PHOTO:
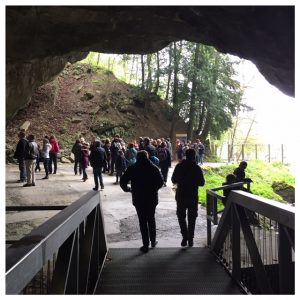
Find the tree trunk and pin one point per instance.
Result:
(98, 59)
(205, 131)
(149, 77)
(143, 71)
(192, 112)
(157, 73)
(170, 70)
(175, 91)
(246, 138)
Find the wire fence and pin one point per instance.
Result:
(264, 152)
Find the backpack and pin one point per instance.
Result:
(162, 154)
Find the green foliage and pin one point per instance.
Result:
(263, 175)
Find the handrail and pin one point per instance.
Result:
(26, 257)
(261, 221)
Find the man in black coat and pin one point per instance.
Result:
(20, 155)
(97, 160)
(188, 176)
(146, 179)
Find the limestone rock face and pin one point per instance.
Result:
(41, 39)
(23, 78)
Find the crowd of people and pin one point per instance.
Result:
(29, 155)
(140, 167)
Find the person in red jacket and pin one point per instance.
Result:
(53, 154)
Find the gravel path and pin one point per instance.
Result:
(121, 222)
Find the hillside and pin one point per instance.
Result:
(82, 101)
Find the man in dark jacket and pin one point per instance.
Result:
(188, 176)
(146, 179)
(164, 157)
(31, 153)
(76, 150)
(97, 160)
(20, 154)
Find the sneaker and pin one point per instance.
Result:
(153, 244)
(144, 249)
(183, 242)
(33, 184)
(102, 187)
(46, 177)
(95, 189)
(21, 181)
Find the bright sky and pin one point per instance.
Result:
(276, 113)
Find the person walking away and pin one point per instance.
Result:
(97, 160)
(164, 157)
(45, 153)
(76, 150)
(201, 152)
(20, 155)
(38, 160)
(154, 160)
(149, 147)
(146, 179)
(188, 176)
(31, 153)
(179, 152)
(169, 146)
(114, 148)
(130, 154)
(85, 158)
(121, 165)
(106, 147)
(53, 154)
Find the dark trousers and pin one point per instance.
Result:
(22, 168)
(146, 217)
(113, 163)
(190, 208)
(119, 173)
(77, 165)
(37, 164)
(98, 177)
(46, 165)
(84, 175)
(164, 172)
(53, 159)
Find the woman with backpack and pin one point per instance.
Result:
(130, 154)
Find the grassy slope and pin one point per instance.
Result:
(263, 175)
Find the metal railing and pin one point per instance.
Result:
(254, 240)
(64, 255)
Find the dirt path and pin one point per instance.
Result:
(121, 222)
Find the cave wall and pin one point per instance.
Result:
(41, 39)
(22, 79)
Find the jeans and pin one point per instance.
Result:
(53, 159)
(46, 165)
(22, 168)
(98, 177)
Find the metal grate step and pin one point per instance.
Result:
(164, 271)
